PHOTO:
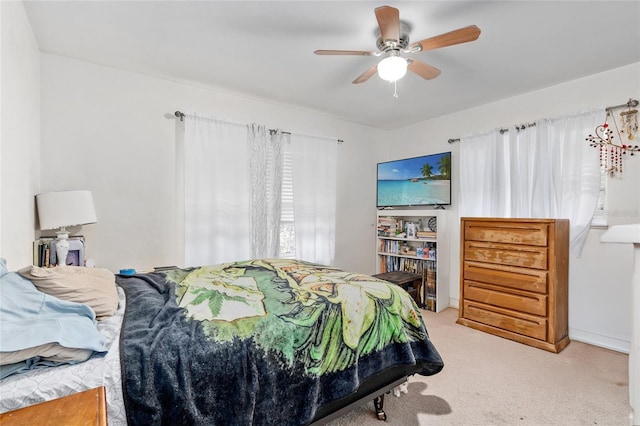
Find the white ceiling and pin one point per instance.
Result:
(264, 49)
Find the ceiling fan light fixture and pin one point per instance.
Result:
(392, 68)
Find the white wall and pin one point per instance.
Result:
(117, 135)
(20, 135)
(599, 282)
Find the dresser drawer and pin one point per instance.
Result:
(516, 322)
(506, 276)
(521, 301)
(506, 254)
(528, 233)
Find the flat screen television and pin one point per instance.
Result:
(416, 181)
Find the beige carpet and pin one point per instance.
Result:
(488, 380)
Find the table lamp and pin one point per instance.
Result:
(61, 209)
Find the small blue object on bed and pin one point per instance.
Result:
(37, 329)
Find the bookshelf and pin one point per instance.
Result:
(416, 241)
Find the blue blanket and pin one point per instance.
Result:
(29, 318)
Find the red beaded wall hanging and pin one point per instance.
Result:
(611, 153)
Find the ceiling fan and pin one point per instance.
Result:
(393, 44)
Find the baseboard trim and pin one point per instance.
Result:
(594, 339)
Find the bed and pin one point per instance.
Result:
(262, 342)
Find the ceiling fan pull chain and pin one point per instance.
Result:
(395, 88)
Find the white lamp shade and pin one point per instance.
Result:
(392, 68)
(65, 208)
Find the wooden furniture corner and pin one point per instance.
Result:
(82, 408)
(411, 283)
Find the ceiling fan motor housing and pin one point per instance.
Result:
(403, 42)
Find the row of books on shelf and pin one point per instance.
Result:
(429, 278)
(44, 252)
(427, 251)
(429, 286)
(416, 266)
(420, 235)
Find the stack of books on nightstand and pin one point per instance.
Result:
(44, 252)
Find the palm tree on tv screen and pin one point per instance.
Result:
(427, 170)
(444, 166)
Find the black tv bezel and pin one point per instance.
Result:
(435, 205)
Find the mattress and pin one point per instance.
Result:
(46, 383)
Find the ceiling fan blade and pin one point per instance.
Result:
(462, 35)
(423, 70)
(389, 23)
(346, 52)
(366, 75)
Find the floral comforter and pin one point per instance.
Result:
(262, 342)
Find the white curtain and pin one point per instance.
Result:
(543, 171)
(483, 181)
(572, 178)
(217, 205)
(314, 197)
(521, 148)
(266, 163)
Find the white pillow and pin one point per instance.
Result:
(95, 287)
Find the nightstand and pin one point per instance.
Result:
(407, 280)
(86, 408)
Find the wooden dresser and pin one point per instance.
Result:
(514, 277)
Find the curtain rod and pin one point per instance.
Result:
(630, 103)
(502, 131)
(181, 116)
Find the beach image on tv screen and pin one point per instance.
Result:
(415, 181)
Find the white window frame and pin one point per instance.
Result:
(600, 215)
(287, 229)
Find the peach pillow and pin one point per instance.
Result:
(95, 287)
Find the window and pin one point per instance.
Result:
(239, 193)
(599, 216)
(287, 229)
